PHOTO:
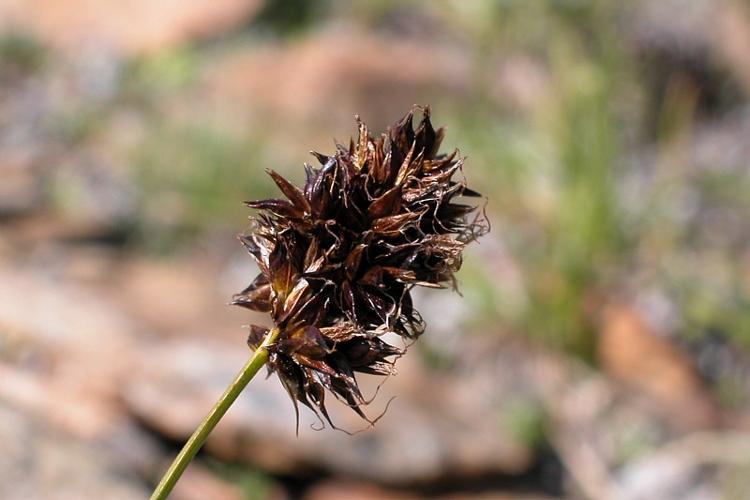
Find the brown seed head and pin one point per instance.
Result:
(339, 257)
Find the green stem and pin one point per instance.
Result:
(258, 359)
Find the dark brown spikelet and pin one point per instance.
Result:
(339, 257)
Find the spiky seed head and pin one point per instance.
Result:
(339, 257)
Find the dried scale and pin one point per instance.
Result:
(339, 257)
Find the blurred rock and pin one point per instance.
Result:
(49, 398)
(24, 146)
(614, 446)
(690, 467)
(132, 27)
(63, 343)
(333, 74)
(341, 490)
(20, 190)
(93, 199)
(702, 32)
(418, 440)
(78, 200)
(39, 462)
(701, 45)
(675, 26)
(668, 478)
(197, 483)
(196, 301)
(632, 352)
(719, 145)
(731, 40)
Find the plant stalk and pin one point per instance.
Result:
(180, 463)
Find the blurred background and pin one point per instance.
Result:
(601, 348)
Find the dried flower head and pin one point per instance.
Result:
(338, 258)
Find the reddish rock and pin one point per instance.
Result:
(136, 26)
(337, 73)
(632, 352)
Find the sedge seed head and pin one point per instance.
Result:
(339, 257)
